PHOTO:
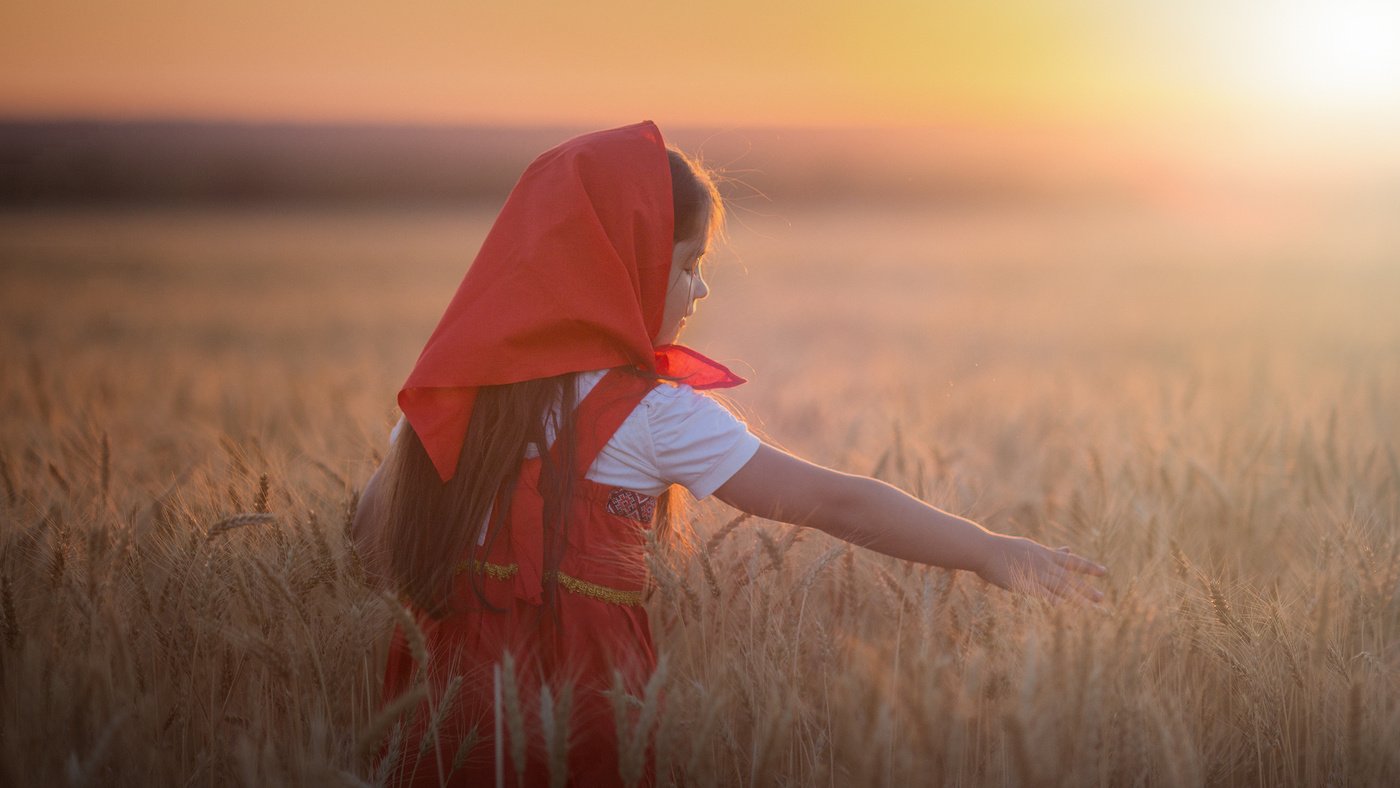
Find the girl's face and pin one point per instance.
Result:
(685, 286)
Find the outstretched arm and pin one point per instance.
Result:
(870, 513)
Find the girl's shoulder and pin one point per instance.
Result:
(676, 435)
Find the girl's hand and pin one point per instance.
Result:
(1026, 566)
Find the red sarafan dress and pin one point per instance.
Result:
(602, 627)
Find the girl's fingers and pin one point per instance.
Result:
(1072, 588)
(1088, 592)
(1049, 592)
(1073, 562)
(1049, 584)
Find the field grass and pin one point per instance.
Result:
(1210, 413)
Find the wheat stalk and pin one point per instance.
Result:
(775, 555)
(708, 570)
(417, 643)
(58, 562)
(464, 749)
(723, 533)
(7, 606)
(1225, 614)
(11, 494)
(105, 469)
(59, 477)
(444, 708)
(810, 576)
(373, 733)
(554, 722)
(633, 738)
(235, 521)
(514, 715)
(260, 499)
(392, 752)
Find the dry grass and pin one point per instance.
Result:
(190, 399)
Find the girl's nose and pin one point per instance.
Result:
(701, 288)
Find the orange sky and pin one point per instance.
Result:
(722, 62)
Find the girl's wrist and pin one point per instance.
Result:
(989, 544)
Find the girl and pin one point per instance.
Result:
(545, 425)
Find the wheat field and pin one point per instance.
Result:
(191, 399)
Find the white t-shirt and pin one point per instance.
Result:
(677, 435)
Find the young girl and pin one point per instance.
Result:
(545, 425)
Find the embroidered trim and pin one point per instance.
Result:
(497, 571)
(569, 582)
(596, 591)
(631, 504)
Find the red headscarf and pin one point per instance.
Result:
(571, 277)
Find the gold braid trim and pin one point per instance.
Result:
(569, 582)
(497, 571)
(596, 591)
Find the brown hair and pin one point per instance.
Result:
(695, 199)
(432, 526)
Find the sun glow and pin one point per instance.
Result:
(1330, 56)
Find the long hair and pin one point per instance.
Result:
(433, 527)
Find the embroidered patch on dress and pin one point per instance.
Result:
(632, 505)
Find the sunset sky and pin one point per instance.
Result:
(816, 62)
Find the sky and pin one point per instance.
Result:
(1145, 63)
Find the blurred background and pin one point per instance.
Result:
(1230, 102)
(956, 191)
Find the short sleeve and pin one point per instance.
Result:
(696, 442)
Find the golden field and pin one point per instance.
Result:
(1208, 406)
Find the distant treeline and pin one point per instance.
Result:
(173, 162)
